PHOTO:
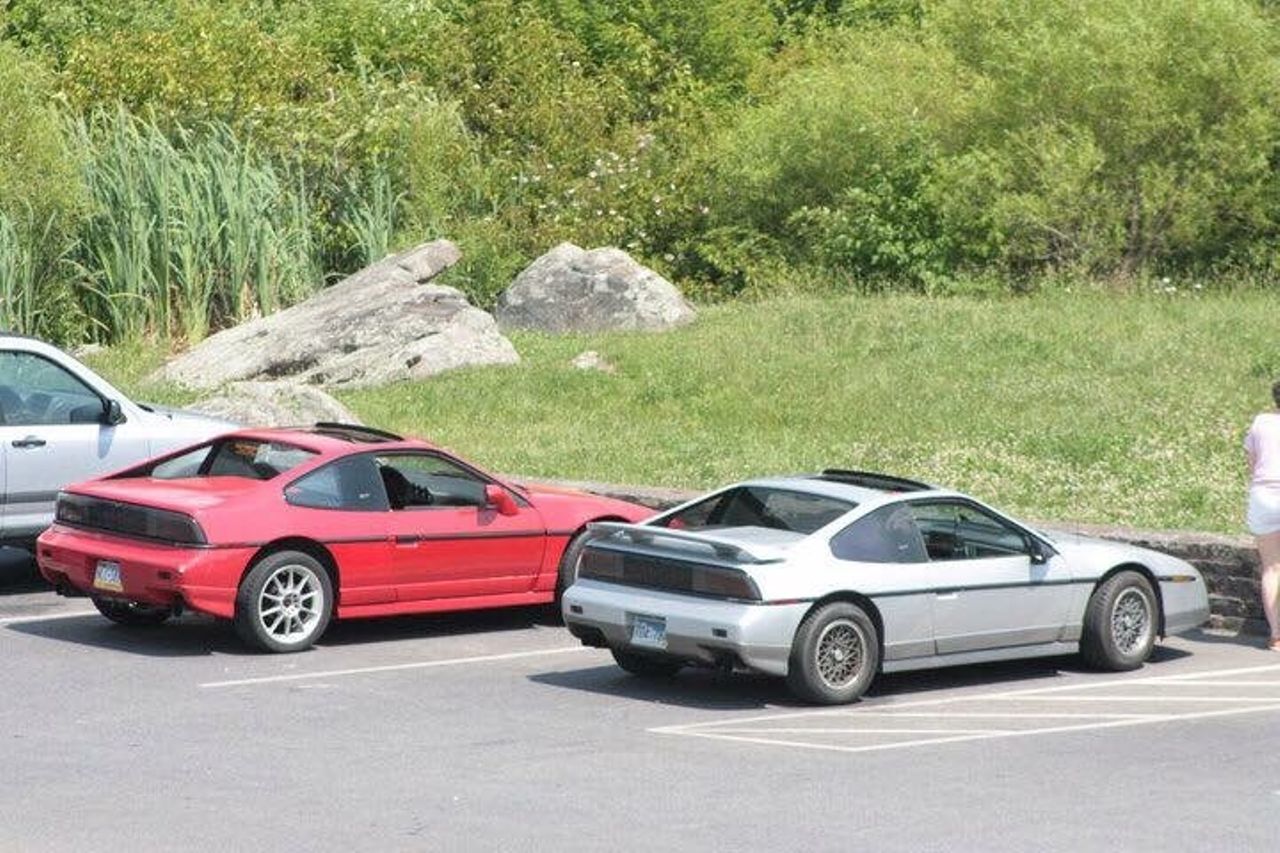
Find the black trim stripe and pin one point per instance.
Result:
(947, 590)
(28, 497)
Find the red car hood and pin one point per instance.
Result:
(188, 496)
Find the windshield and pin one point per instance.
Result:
(760, 506)
(250, 458)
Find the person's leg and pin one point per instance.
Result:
(1269, 554)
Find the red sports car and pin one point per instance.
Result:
(282, 529)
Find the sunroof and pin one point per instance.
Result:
(355, 432)
(872, 480)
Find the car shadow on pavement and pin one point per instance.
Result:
(689, 688)
(18, 573)
(194, 635)
(422, 626)
(189, 636)
(705, 688)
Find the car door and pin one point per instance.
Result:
(343, 505)
(887, 561)
(448, 541)
(989, 590)
(53, 433)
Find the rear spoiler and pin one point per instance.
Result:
(725, 549)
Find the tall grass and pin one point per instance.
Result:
(189, 233)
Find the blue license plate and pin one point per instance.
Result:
(649, 631)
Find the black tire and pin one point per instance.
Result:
(284, 602)
(568, 571)
(645, 665)
(1120, 623)
(834, 656)
(131, 613)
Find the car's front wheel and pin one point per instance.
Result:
(283, 603)
(131, 613)
(646, 666)
(1120, 623)
(835, 655)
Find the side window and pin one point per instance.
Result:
(887, 535)
(349, 483)
(418, 480)
(958, 531)
(36, 392)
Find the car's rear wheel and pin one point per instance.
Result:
(284, 602)
(834, 656)
(131, 613)
(1120, 623)
(645, 665)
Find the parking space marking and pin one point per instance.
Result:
(1172, 706)
(396, 667)
(690, 731)
(18, 620)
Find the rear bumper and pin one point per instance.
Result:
(698, 630)
(201, 579)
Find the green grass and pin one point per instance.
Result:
(1089, 408)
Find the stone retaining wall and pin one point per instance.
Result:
(1229, 563)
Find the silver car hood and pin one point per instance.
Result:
(1081, 550)
(187, 416)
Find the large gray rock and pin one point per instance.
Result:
(384, 323)
(267, 404)
(570, 289)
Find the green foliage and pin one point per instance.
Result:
(744, 147)
(1028, 136)
(187, 236)
(37, 169)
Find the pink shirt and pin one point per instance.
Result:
(1263, 443)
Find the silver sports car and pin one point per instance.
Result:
(832, 578)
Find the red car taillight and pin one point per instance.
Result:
(128, 519)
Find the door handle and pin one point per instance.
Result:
(947, 595)
(29, 441)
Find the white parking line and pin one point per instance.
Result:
(749, 730)
(18, 620)
(426, 664)
(689, 731)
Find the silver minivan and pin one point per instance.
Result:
(60, 423)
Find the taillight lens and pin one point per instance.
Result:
(724, 583)
(128, 519)
(600, 565)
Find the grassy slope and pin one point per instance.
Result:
(1091, 408)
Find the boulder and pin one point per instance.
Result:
(265, 404)
(570, 289)
(385, 322)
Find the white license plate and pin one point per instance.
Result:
(107, 576)
(649, 631)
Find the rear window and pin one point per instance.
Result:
(760, 506)
(251, 458)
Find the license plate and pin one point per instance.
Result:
(107, 576)
(649, 631)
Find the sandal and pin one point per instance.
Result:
(1273, 645)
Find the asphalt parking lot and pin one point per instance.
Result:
(494, 731)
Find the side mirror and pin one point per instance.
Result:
(112, 414)
(1039, 556)
(500, 499)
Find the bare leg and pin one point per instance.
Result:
(1269, 552)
